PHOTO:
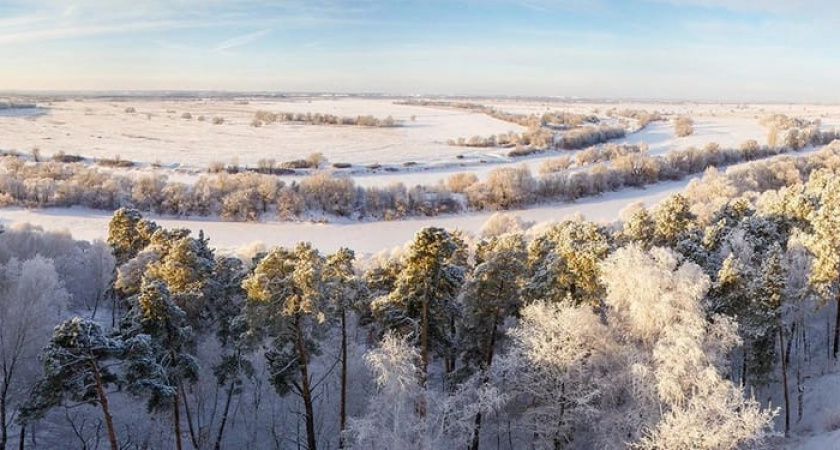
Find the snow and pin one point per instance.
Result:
(157, 132)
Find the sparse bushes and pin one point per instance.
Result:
(683, 126)
(218, 120)
(130, 110)
(65, 158)
(555, 165)
(116, 161)
(186, 116)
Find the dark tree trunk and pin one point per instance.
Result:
(176, 417)
(342, 406)
(784, 376)
(103, 402)
(306, 393)
(221, 432)
(193, 437)
(4, 432)
(837, 329)
(486, 378)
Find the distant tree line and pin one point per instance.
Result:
(535, 140)
(267, 117)
(551, 119)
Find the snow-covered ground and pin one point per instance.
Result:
(156, 132)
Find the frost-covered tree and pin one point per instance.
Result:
(76, 371)
(287, 304)
(672, 218)
(345, 291)
(129, 233)
(824, 243)
(32, 300)
(655, 305)
(492, 294)
(564, 263)
(556, 370)
(392, 420)
(159, 341)
(423, 301)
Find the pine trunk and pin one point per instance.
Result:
(306, 393)
(486, 378)
(4, 432)
(221, 432)
(837, 329)
(784, 377)
(176, 417)
(193, 437)
(342, 407)
(103, 402)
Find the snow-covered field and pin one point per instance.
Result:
(156, 132)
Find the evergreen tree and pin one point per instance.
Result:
(492, 294)
(129, 233)
(564, 263)
(286, 303)
(672, 218)
(345, 290)
(423, 302)
(773, 287)
(76, 370)
(159, 341)
(824, 243)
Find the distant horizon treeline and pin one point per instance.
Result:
(268, 117)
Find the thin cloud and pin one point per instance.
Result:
(239, 41)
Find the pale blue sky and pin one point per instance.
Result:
(679, 49)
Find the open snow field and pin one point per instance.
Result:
(157, 132)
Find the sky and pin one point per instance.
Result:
(733, 50)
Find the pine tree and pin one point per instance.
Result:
(129, 233)
(234, 368)
(671, 218)
(564, 263)
(76, 371)
(423, 302)
(159, 340)
(824, 243)
(492, 294)
(773, 286)
(345, 290)
(286, 303)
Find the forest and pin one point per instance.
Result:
(688, 325)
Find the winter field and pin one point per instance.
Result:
(166, 137)
(177, 140)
